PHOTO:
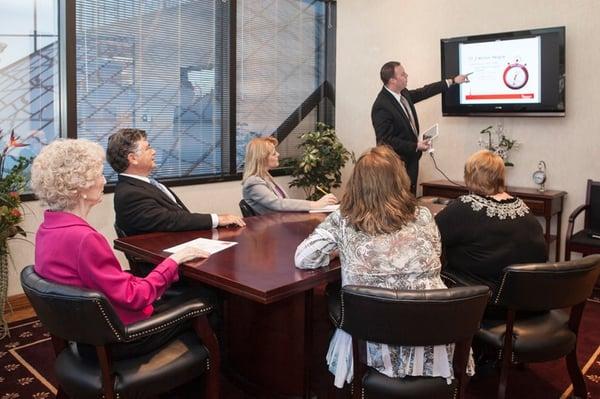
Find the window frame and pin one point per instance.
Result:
(67, 118)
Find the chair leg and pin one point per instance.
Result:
(460, 361)
(359, 369)
(503, 378)
(108, 382)
(209, 339)
(356, 391)
(506, 354)
(579, 387)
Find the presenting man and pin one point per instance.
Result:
(395, 119)
(144, 205)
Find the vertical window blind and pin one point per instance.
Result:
(157, 66)
(280, 63)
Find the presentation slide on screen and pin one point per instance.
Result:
(503, 72)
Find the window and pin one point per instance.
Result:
(202, 77)
(29, 73)
(157, 66)
(281, 70)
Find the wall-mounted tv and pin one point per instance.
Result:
(511, 74)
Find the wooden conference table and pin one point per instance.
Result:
(268, 314)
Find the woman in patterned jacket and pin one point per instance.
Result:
(384, 239)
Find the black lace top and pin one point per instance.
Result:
(481, 236)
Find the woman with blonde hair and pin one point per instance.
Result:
(259, 189)
(385, 239)
(488, 229)
(67, 177)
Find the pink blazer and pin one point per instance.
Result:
(69, 251)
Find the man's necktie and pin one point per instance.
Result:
(409, 114)
(162, 188)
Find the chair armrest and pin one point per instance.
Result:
(572, 218)
(577, 211)
(175, 315)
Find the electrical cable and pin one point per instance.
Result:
(443, 174)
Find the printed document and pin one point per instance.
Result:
(210, 246)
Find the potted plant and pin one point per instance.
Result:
(498, 143)
(319, 167)
(12, 182)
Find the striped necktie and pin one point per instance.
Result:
(409, 114)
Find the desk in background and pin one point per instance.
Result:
(545, 204)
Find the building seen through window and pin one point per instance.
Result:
(166, 67)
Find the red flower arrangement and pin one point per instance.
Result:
(12, 183)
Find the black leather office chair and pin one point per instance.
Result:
(246, 209)
(410, 318)
(582, 241)
(548, 335)
(137, 266)
(77, 315)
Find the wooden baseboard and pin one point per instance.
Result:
(16, 303)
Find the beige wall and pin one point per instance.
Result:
(371, 33)
(409, 31)
(216, 198)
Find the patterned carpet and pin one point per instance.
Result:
(26, 360)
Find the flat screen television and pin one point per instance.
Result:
(511, 74)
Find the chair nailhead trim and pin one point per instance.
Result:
(513, 356)
(114, 330)
(342, 310)
(175, 321)
(363, 393)
(500, 290)
(208, 363)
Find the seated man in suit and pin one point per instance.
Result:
(144, 205)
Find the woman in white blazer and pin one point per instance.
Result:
(259, 189)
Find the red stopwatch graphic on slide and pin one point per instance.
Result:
(515, 75)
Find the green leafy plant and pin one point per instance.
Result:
(320, 165)
(498, 143)
(12, 184)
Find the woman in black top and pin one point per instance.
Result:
(488, 229)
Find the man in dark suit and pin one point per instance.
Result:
(144, 205)
(395, 119)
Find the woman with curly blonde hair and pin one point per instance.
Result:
(384, 239)
(67, 177)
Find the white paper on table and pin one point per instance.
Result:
(326, 209)
(210, 246)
